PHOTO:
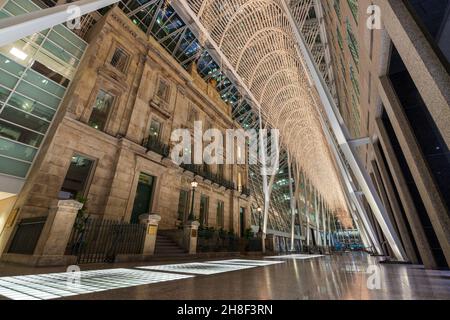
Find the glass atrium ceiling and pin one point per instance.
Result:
(280, 65)
(159, 19)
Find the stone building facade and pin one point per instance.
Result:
(126, 90)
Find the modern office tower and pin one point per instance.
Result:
(390, 61)
(342, 108)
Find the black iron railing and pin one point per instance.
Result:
(98, 240)
(156, 145)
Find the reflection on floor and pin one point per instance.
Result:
(65, 284)
(247, 262)
(296, 256)
(198, 268)
(340, 276)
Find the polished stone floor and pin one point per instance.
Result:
(348, 276)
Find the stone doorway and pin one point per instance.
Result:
(144, 196)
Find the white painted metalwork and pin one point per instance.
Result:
(15, 28)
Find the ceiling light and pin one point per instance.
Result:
(18, 53)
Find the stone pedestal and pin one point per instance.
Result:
(270, 243)
(52, 243)
(191, 236)
(151, 221)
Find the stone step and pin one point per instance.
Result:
(165, 246)
(172, 249)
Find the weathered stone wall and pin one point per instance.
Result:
(117, 151)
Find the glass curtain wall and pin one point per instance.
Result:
(34, 74)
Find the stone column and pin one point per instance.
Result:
(420, 171)
(191, 236)
(151, 221)
(388, 194)
(55, 235)
(406, 199)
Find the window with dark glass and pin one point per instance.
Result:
(352, 43)
(433, 17)
(204, 209)
(183, 205)
(220, 214)
(77, 178)
(163, 90)
(353, 4)
(337, 8)
(120, 60)
(101, 110)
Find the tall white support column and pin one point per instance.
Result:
(306, 193)
(324, 218)
(317, 211)
(292, 203)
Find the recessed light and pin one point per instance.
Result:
(18, 53)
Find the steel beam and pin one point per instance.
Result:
(342, 136)
(18, 27)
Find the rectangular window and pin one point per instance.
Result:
(183, 205)
(220, 214)
(352, 43)
(155, 130)
(353, 4)
(120, 60)
(354, 81)
(192, 116)
(220, 171)
(102, 108)
(204, 210)
(77, 178)
(337, 8)
(163, 90)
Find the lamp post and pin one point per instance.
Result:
(194, 184)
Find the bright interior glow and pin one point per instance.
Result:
(18, 53)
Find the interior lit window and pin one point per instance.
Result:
(77, 178)
(101, 110)
(155, 130)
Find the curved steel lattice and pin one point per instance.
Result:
(257, 39)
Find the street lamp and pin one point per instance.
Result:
(194, 184)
